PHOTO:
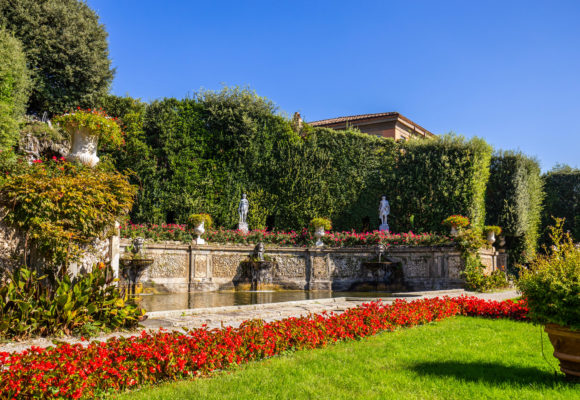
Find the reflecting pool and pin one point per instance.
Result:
(182, 301)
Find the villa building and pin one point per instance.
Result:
(388, 124)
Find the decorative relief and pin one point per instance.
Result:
(200, 266)
(416, 267)
(168, 265)
(319, 268)
(454, 267)
(290, 267)
(345, 267)
(227, 266)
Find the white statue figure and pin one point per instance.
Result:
(384, 211)
(243, 213)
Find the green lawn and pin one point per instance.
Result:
(459, 358)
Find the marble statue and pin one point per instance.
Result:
(243, 213)
(384, 211)
(259, 251)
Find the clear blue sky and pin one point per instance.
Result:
(507, 71)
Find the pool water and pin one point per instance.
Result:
(182, 301)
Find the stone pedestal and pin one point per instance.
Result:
(384, 228)
(243, 227)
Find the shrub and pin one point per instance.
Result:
(562, 187)
(325, 223)
(492, 228)
(97, 122)
(30, 306)
(514, 202)
(66, 50)
(197, 219)
(458, 221)
(14, 88)
(62, 207)
(552, 282)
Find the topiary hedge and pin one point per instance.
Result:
(201, 154)
(514, 201)
(562, 187)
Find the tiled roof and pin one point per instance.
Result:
(362, 117)
(350, 118)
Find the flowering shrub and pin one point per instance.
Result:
(74, 371)
(458, 221)
(97, 121)
(293, 238)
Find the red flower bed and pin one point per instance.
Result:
(74, 371)
(472, 306)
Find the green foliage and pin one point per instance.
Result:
(201, 154)
(29, 306)
(514, 202)
(562, 187)
(492, 228)
(14, 88)
(66, 49)
(197, 219)
(97, 122)
(552, 282)
(62, 206)
(458, 221)
(325, 223)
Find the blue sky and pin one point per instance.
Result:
(507, 71)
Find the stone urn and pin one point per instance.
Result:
(319, 234)
(199, 230)
(84, 146)
(490, 237)
(454, 231)
(566, 349)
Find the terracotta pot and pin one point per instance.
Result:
(566, 349)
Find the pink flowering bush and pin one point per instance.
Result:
(181, 232)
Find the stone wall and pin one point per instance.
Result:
(179, 267)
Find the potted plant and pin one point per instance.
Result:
(87, 128)
(198, 222)
(320, 226)
(492, 231)
(456, 222)
(551, 285)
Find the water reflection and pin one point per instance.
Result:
(180, 301)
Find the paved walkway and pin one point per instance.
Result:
(234, 315)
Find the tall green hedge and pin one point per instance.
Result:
(200, 155)
(562, 187)
(514, 202)
(14, 88)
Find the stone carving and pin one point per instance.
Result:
(84, 147)
(259, 251)
(243, 213)
(384, 211)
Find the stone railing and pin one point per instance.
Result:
(180, 267)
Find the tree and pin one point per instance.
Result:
(14, 88)
(66, 48)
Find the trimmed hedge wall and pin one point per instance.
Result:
(200, 154)
(514, 202)
(562, 187)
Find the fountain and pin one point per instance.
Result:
(257, 273)
(381, 275)
(132, 268)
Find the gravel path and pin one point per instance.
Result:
(234, 315)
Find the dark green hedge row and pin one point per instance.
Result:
(514, 202)
(201, 154)
(562, 187)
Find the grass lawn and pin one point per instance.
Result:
(458, 358)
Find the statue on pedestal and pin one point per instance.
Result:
(243, 213)
(384, 211)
